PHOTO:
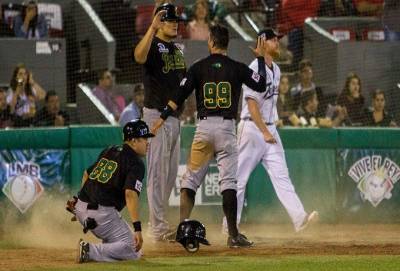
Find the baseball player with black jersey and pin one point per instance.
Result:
(164, 68)
(259, 140)
(113, 181)
(217, 80)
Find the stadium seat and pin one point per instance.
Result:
(54, 19)
(343, 34)
(373, 34)
(144, 15)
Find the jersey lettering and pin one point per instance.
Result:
(104, 170)
(173, 61)
(217, 95)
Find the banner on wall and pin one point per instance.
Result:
(26, 174)
(207, 194)
(368, 183)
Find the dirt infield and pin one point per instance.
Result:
(270, 240)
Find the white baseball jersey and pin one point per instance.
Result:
(266, 100)
(253, 149)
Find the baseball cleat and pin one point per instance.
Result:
(83, 252)
(239, 241)
(311, 218)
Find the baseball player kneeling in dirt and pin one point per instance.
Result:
(115, 180)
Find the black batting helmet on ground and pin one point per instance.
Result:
(190, 233)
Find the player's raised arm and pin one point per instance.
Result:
(143, 47)
(252, 79)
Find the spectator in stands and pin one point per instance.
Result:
(5, 29)
(103, 91)
(198, 28)
(352, 100)
(5, 110)
(391, 20)
(134, 110)
(378, 116)
(22, 96)
(368, 7)
(30, 24)
(306, 84)
(285, 104)
(291, 21)
(216, 11)
(50, 114)
(309, 116)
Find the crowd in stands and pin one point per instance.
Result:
(301, 103)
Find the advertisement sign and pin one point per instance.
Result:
(368, 184)
(26, 174)
(207, 194)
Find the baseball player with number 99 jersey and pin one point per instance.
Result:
(259, 140)
(217, 80)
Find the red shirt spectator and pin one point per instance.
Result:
(294, 12)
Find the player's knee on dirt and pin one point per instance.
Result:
(200, 154)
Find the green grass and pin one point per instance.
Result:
(253, 263)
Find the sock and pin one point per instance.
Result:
(187, 202)
(229, 204)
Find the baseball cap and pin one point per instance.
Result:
(269, 33)
(135, 129)
(171, 12)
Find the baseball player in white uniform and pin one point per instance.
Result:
(259, 141)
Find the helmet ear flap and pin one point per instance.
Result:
(191, 245)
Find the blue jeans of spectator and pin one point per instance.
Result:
(392, 35)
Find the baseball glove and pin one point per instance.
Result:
(70, 206)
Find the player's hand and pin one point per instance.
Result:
(260, 49)
(269, 138)
(137, 236)
(157, 125)
(156, 24)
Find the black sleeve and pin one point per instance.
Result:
(252, 79)
(134, 178)
(185, 89)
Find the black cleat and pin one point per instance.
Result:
(83, 252)
(239, 241)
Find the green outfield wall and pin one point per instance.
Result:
(348, 175)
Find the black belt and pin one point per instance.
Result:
(266, 123)
(205, 117)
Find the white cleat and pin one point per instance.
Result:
(311, 218)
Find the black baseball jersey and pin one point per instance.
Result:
(163, 71)
(218, 81)
(118, 168)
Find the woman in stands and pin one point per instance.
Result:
(286, 111)
(22, 96)
(198, 28)
(378, 116)
(352, 99)
(30, 24)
